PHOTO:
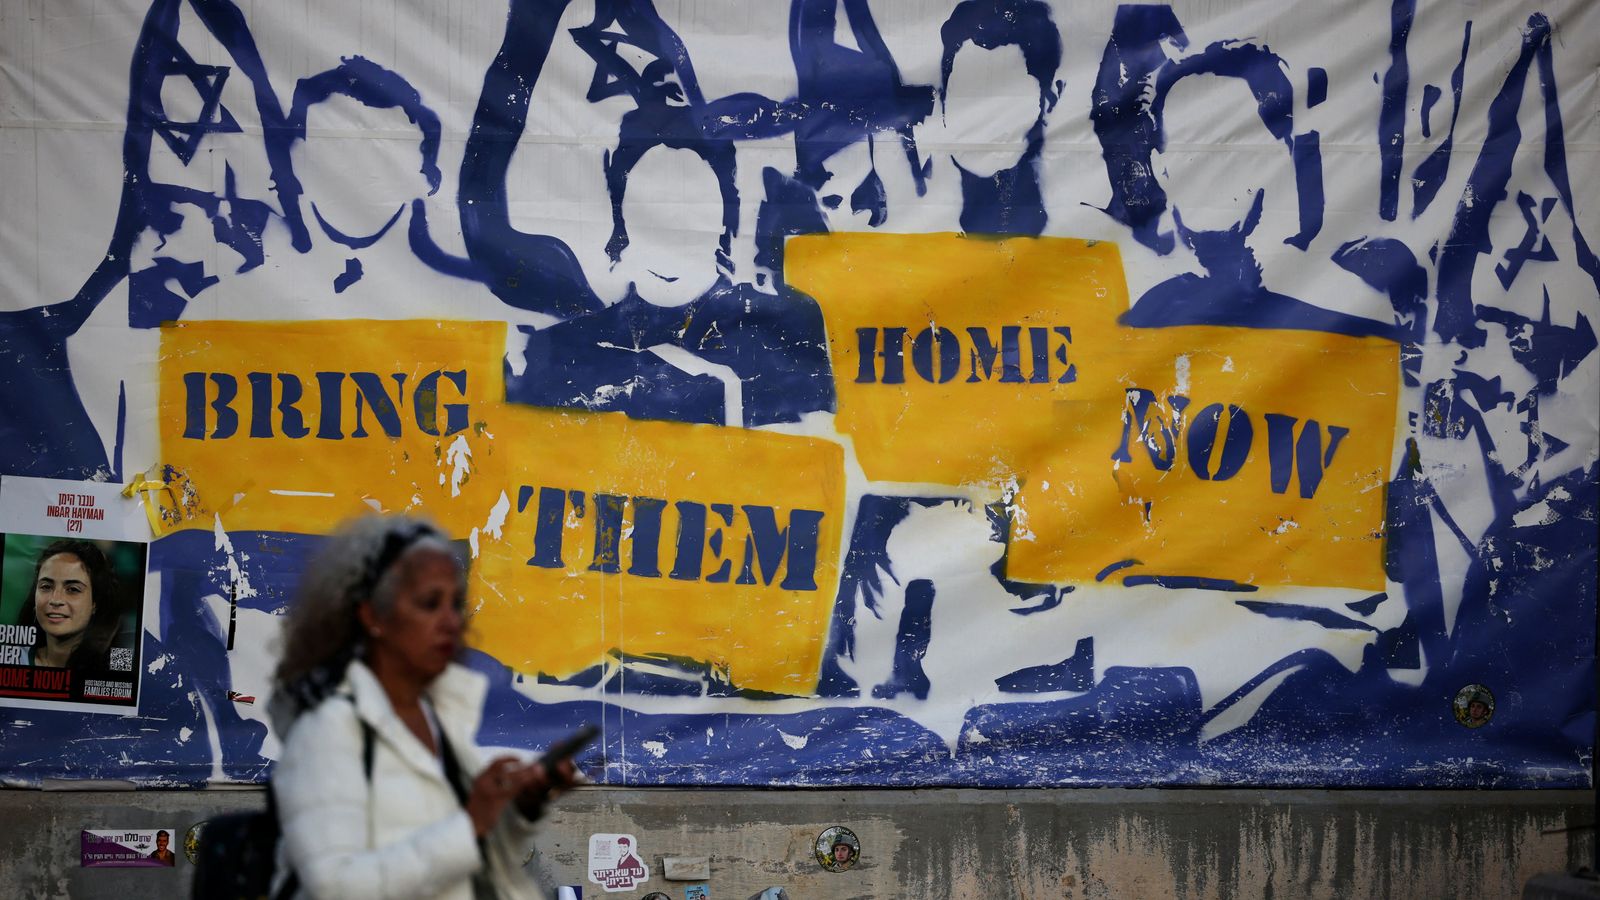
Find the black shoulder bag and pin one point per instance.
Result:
(238, 851)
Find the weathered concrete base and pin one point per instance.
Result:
(1145, 844)
(1563, 887)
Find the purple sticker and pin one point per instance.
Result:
(128, 848)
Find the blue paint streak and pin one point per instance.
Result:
(351, 274)
(1431, 172)
(1327, 618)
(1392, 115)
(1367, 606)
(1075, 673)
(1430, 96)
(1122, 118)
(527, 271)
(1316, 86)
(1115, 567)
(426, 249)
(122, 428)
(1186, 582)
(352, 241)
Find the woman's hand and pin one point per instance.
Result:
(495, 786)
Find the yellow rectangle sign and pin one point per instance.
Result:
(599, 537)
(1233, 454)
(694, 544)
(296, 426)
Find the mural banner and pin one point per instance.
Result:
(832, 392)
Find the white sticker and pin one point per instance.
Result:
(614, 862)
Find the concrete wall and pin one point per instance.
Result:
(1143, 844)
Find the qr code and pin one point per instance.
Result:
(122, 659)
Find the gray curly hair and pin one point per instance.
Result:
(363, 562)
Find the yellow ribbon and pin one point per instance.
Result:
(151, 507)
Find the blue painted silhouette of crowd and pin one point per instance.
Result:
(706, 344)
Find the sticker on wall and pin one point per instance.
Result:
(697, 892)
(128, 848)
(1474, 706)
(569, 892)
(614, 863)
(191, 842)
(838, 849)
(656, 895)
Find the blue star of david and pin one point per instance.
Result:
(184, 137)
(614, 75)
(1527, 251)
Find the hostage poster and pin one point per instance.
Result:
(72, 567)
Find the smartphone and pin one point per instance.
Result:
(569, 746)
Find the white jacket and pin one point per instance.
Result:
(404, 834)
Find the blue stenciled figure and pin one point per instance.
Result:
(1217, 225)
(357, 222)
(47, 430)
(1013, 50)
(847, 97)
(907, 627)
(1490, 471)
(685, 343)
(188, 220)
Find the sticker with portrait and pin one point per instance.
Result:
(73, 604)
(614, 863)
(128, 848)
(838, 849)
(1473, 706)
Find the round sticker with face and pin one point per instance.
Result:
(655, 895)
(1473, 706)
(191, 842)
(838, 849)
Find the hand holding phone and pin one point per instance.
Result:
(557, 770)
(568, 747)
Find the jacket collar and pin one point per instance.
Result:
(457, 698)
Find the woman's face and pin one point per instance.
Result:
(423, 629)
(63, 600)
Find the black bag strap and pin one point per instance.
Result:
(369, 746)
(482, 887)
(452, 769)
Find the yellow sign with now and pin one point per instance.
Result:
(1001, 363)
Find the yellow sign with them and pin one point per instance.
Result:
(716, 547)
(1195, 454)
(707, 548)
